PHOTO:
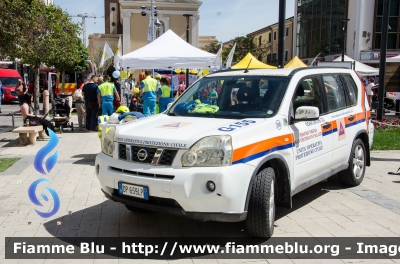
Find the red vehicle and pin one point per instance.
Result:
(9, 79)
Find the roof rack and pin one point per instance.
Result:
(241, 69)
(308, 68)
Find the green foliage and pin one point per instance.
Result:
(388, 139)
(40, 34)
(244, 45)
(6, 163)
(213, 47)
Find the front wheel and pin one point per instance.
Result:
(354, 174)
(261, 213)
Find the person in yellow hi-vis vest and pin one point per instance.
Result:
(105, 96)
(164, 95)
(148, 91)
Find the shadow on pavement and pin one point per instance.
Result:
(9, 143)
(87, 159)
(307, 196)
(113, 220)
(383, 159)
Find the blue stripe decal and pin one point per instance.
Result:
(351, 124)
(262, 153)
(327, 133)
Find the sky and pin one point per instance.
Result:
(225, 19)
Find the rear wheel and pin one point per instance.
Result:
(354, 174)
(261, 213)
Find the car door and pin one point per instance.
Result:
(357, 118)
(341, 115)
(313, 139)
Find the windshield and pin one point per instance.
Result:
(9, 81)
(232, 97)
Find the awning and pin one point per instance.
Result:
(295, 63)
(254, 63)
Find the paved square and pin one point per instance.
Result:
(327, 209)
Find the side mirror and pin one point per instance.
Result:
(306, 113)
(169, 105)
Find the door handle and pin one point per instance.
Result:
(351, 118)
(326, 125)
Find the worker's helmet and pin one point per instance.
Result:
(122, 109)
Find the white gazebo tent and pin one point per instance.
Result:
(361, 68)
(169, 51)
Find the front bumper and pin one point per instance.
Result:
(181, 191)
(10, 98)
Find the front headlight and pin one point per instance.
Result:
(108, 141)
(213, 151)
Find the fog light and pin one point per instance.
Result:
(210, 186)
(97, 169)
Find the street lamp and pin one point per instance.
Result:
(153, 13)
(344, 21)
(187, 40)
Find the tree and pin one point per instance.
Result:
(213, 47)
(96, 52)
(72, 60)
(38, 34)
(14, 21)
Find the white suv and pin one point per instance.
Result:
(238, 143)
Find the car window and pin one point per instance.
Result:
(352, 89)
(335, 92)
(9, 81)
(308, 93)
(238, 97)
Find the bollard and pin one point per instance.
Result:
(46, 95)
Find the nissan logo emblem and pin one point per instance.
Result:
(142, 154)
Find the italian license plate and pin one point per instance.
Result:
(133, 190)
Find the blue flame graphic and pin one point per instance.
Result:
(51, 161)
(34, 199)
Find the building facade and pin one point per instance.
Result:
(322, 25)
(269, 36)
(206, 40)
(326, 27)
(124, 18)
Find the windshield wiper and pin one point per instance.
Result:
(172, 114)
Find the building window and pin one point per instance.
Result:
(269, 58)
(393, 40)
(269, 37)
(286, 55)
(274, 35)
(287, 32)
(319, 27)
(259, 40)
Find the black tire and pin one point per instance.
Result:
(354, 174)
(135, 209)
(261, 212)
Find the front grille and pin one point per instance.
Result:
(167, 156)
(130, 153)
(150, 154)
(143, 174)
(122, 151)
